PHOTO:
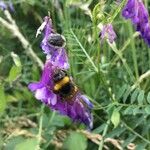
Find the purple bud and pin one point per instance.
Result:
(3, 6)
(6, 5)
(108, 33)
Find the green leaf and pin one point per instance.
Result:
(141, 97)
(121, 91)
(128, 140)
(28, 144)
(14, 73)
(11, 143)
(2, 99)
(126, 94)
(147, 109)
(128, 110)
(27, 95)
(134, 96)
(141, 145)
(115, 132)
(136, 110)
(75, 141)
(115, 118)
(100, 128)
(31, 2)
(16, 59)
(35, 73)
(11, 98)
(1, 58)
(148, 98)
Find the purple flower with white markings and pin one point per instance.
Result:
(108, 33)
(138, 14)
(77, 108)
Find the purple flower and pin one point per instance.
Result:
(57, 54)
(138, 14)
(8, 5)
(3, 6)
(59, 59)
(78, 108)
(108, 33)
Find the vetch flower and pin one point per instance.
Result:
(138, 14)
(6, 5)
(77, 108)
(53, 44)
(3, 6)
(59, 59)
(107, 33)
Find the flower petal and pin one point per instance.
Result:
(40, 94)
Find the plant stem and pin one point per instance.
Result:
(129, 40)
(40, 127)
(114, 48)
(87, 55)
(118, 10)
(101, 145)
(141, 78)
(12, 26)
(133, 49)
(134, 132)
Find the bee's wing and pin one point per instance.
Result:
(86, 107)
(86, 101)
(83, 98)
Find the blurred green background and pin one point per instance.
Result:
(111, 76)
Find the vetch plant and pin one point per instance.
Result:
(56, 89)
(104, 56)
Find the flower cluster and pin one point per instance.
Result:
(108, 33)
(138, 14)
(78, 107)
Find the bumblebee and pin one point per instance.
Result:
(57, 40)
(63, 85)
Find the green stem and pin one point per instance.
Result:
(134, 132)
(133, 49)
(52, 117)
(116, 58)
(87, 55)
(114, 48)
(40, 126)
(101, 145)
(118, 10)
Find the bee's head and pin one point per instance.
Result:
(59, 75)
(57, 40)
